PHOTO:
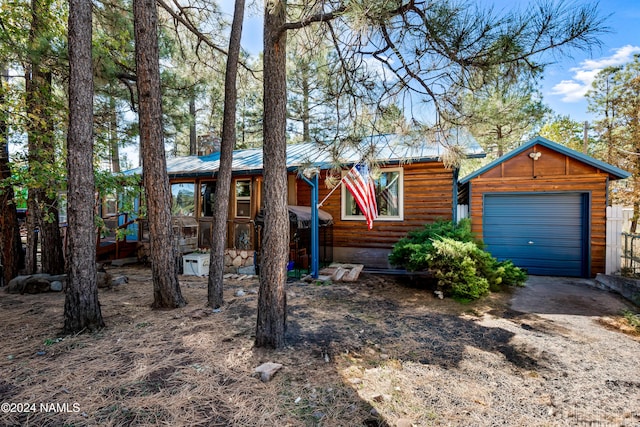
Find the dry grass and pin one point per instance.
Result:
(369, 353)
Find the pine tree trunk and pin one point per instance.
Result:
(42, 204)
(306, 95)
(81, 306)
(113, 135)
(272, 305)
(223, 186)
(166, 288)
(51, 239)
(10, 243)
(31, 224)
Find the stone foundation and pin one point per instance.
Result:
(235, 259)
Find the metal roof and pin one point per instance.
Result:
(387, 149)
(615, 172)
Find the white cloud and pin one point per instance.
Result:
(574, 90)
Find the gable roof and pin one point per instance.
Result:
(617, 173)
(389, 149)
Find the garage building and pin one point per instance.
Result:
(543, 206)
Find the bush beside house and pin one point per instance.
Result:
(462, 268)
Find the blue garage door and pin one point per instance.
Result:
(547, 234)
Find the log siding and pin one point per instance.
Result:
(428, 195)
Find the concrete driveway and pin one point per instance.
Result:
(567, 295)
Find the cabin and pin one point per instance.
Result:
(413, 187)
(543, 206)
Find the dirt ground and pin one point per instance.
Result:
(376, 352)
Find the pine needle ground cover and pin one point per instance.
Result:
(377, 352)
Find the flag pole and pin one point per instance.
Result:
(315, 225)
(336, 187)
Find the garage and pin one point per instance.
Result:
(544, 233)
(543, 206)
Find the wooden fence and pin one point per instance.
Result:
(623, 247)
(615, 222)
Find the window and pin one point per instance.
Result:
(389, 197)
(243, 198)
(109, 206)
(183, 199)
(207, 197)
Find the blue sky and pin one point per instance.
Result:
(566, 81)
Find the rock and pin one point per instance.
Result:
(240, 293)
(56, 286)
(119, 280)
(249, 270)
(36, 286)
(103, 279)
(404, 422)
(17, 284)
(237, 261)
(268, 370)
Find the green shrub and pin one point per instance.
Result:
(453, 263)
(463, 269)
(409, 252)
(632, 319)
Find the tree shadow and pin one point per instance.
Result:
(434, 339)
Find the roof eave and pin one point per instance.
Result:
(615, 172)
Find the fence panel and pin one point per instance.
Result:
(615, 222)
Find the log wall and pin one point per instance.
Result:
(428, 192)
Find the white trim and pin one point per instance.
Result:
(400, 217)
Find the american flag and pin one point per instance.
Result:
(360, 185)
